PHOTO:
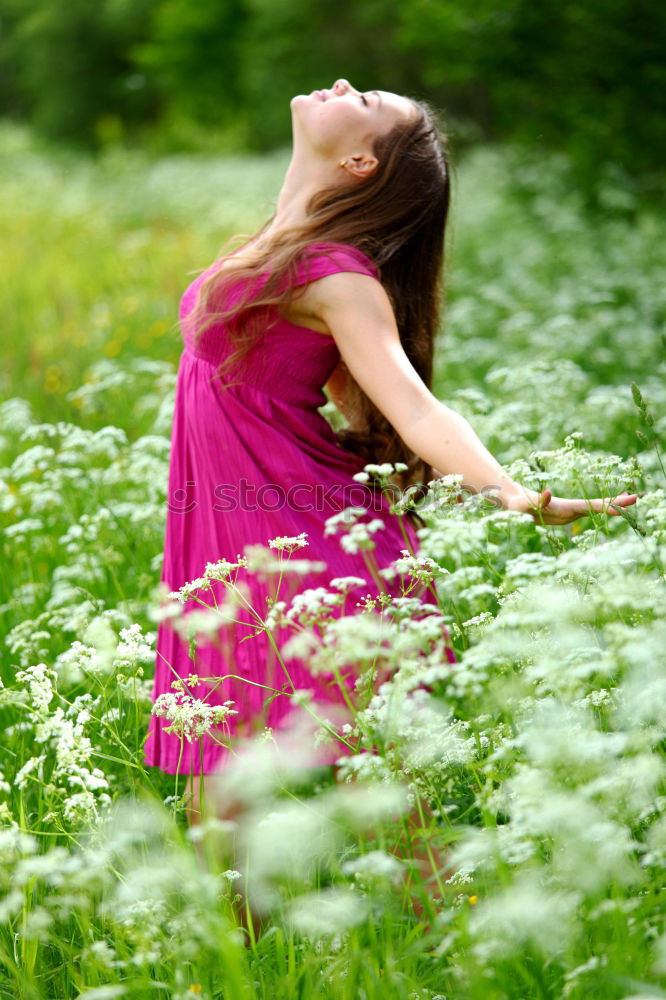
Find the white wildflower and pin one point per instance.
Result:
(204, 624)
(425, 731)
(110, 992)
(78, 661)
(14, 843)
(421, 568)
(590, 848)
(300, 645)
(347, 583)
(343, 519)
(36, 459)
(560, 736)
(8, 499)
(287, 843)
(261, 560)
(641, 700)
(39, 680)
(366, 767)
(359, 639)
(328, 912)
(285, 543)
(11, 905)
(134, 647)
(363, 806)
(167, 611)
(190, 717)
(15, 415)
(275, 615)
(100, 953)
(442, 492)
(101, 636)
(385, 469)
(82, 807)
(222, 569)
(37, 924)
(190, 589)
(34, 766)
(313, 603)
(360, 535)
(527, 912)
(20, 530)
(374, 868)
(593, 964)
(231, 875)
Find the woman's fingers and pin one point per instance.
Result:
(604, 505)
(557, 510)
(625, 499)
(549, 509)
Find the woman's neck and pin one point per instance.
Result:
(302, 181)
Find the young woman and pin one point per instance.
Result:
(339, 289)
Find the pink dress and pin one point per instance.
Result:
(251, 461)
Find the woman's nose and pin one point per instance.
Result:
(341, 86)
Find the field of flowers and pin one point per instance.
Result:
(507, 838)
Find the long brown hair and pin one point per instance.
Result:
(397, 218)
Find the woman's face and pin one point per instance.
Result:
(342, 120)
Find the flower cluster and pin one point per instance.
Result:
(187, 716)
(283, 543)
(356, 534)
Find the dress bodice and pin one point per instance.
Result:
(289, 361)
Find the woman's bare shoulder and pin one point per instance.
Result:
(342, 293)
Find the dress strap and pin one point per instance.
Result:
(321, 259)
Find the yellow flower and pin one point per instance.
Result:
(112, 348)
(195, 988)
(472, 900)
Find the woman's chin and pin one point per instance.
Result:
(311, 100)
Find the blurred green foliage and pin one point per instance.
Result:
(584, 76)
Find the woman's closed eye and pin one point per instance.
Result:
(364, 100)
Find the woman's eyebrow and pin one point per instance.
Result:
(379, 99)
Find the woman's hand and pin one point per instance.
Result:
(336, 387)
(548, 509)
(356, 310)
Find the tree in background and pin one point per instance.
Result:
(68, 66)
(193, 58)
(585, 76)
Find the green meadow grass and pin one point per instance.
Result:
(507, 839)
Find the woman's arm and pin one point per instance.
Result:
(335, 387)
(358, 315)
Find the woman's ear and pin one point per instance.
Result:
(360, 165)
